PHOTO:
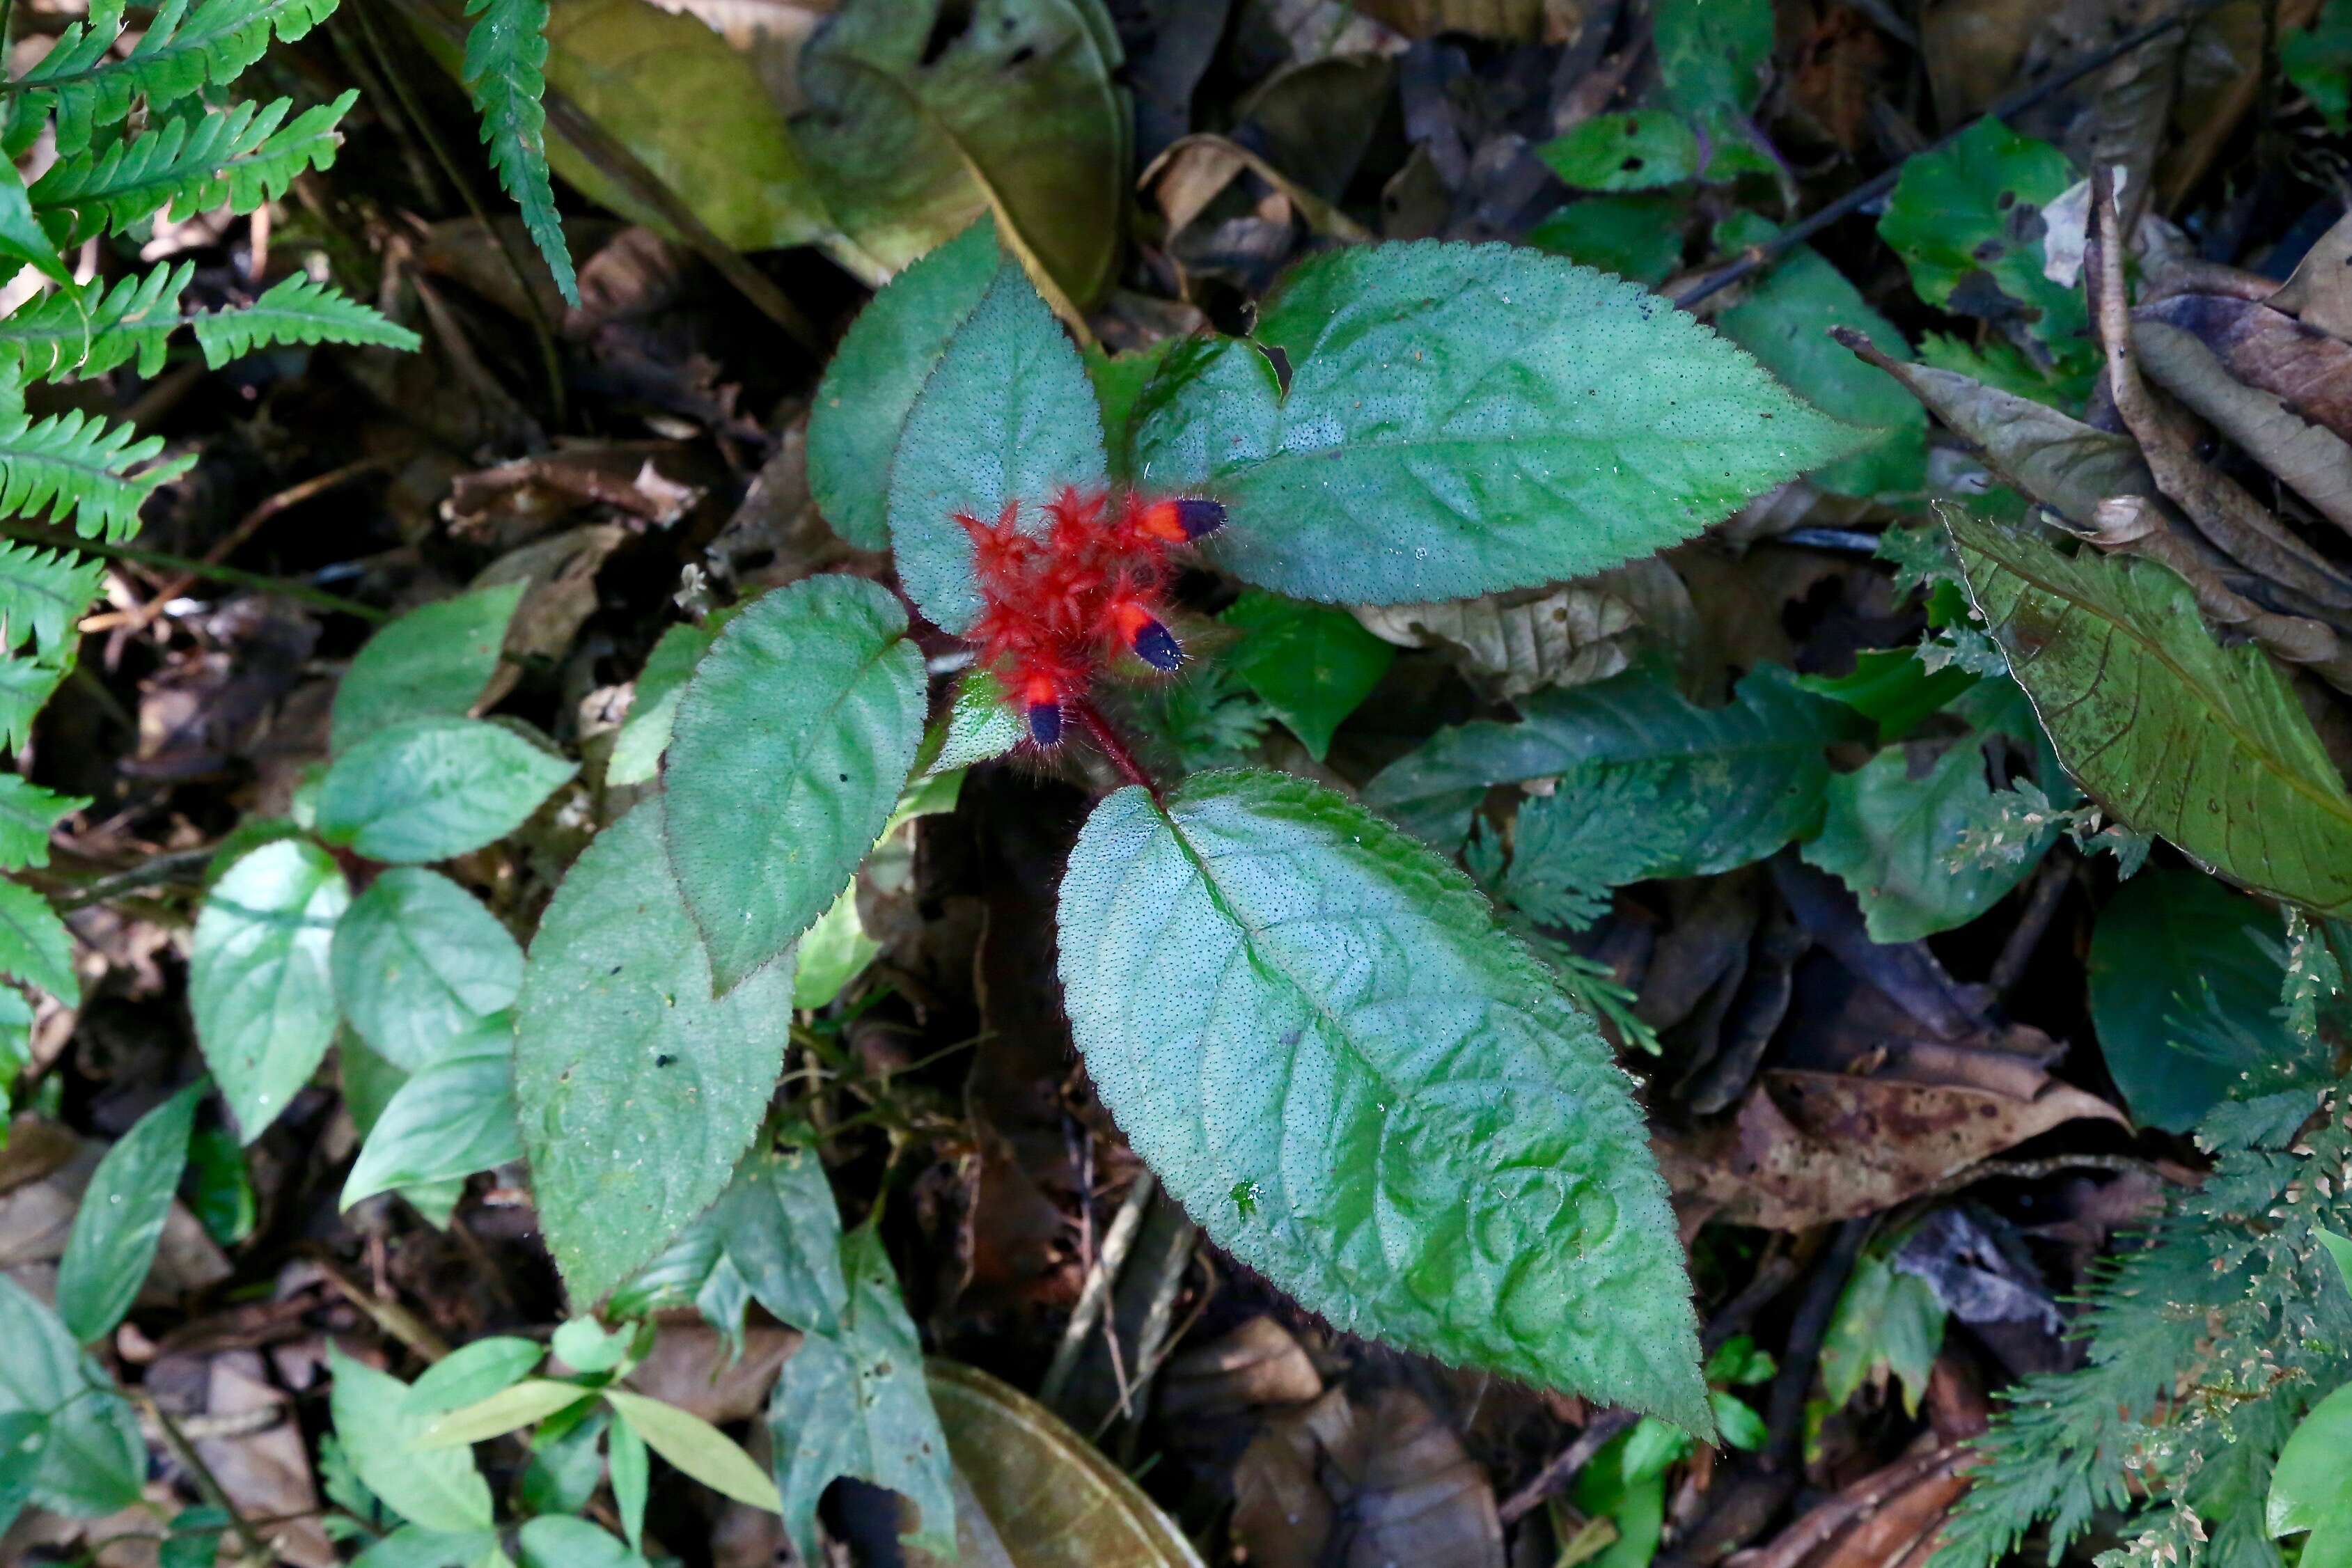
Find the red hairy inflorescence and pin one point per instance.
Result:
(1056, 604)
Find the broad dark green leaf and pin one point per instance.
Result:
(1756, 765)
(1313, 665)
(780, 1230)
(24, 1448)
(1886, 1321)
(257, 978)
(1635, 237)
(876, 374)
(1007, 417)
(1359, 1085)
(2168, 732)
(1637, 151)
(1895, 834)
(853, 1403)
(121, 1217)
(2311, 1488)
(433, 662)
(22, 238)
(644, 733)
(35, 946)
(637, 1090)
(1892, 687)
(417, 960)
(2184, 993)
(425, 789)
(94, 1461)
(437, 1489)
(28, 814)
(696, 1447)
(789, 750)
(1465, 418)
(219, 1189)
(454, 1115)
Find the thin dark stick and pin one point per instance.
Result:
(1785, 1415)
(1556, 1475)
(2031, 926)
(1114, 747)
(1757, 256)
(317, 598)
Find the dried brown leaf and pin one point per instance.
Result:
(1521, 641)
(2320, 292)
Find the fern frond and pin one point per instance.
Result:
(87, 328)
(28, 814)
(42, 593)
(75, 466)
(240, 156)
(34, 946)
(179, 52)
(25, 684)
(296, 310)
(505, 55)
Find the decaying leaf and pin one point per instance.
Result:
(1569, 635)
(1364, 1485)
(559, 578)
(2320, 293)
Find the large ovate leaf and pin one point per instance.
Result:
(380, 1431)
(93, 1461)
(1009, 417)
(778, 1227)
(122, 1217)
(1463, 419)
(454, 1115)
(417, 960)
(871, 382)
(787, 752)
(1896, 833)
(258, 979)
(2168, 730)
(1359, 1085)
(2184, 993)
(426, 789)
(1755, 764)
(636, 1089)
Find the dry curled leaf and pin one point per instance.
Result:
(2319, 294)
(1522, 641)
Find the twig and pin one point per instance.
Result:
(146, 874)
(1569, 1463)
(256, 1549)
(2032, 924)
(56, 540)
(390, 1316)
(1758, 257)
(2033, 1170)
(1785, 1416)
(246, 527)
(1117, 1240)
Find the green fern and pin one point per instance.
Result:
(77, 466)
(42, 593)
(240, 156)
(505, 56)
(87, 328)
(28, 814)
(86, 86)
(34, 944)
(296, 310)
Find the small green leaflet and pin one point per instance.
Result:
(1312, 664)
(122, 1217)
(1638, 151)
(28, 814)
(431, 663)
(644, 732)
(1886, 1321)
(24, 1447)
(979, 724)
(426, 789)
(1460, 419)
(438, 1490)
(259, 982)
(417, 961)
(454, 1115)
(296, 310)
(1900, 842)
(35, 946)
(699, 1449)
(1278, 994)
(473, 1372)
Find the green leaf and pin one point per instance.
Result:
(84, 330)
(1895, 834)
(35, 946)
(1967, 220)
(2318, 60)
(1711, 60)
(239, 157)
(430, 788)
(1313, 665)
(26, 685)
(2310, 1488)
(1892, 687)
(410, 1546)
(472, 1372)
(1638, 151)
(558, 1540)
(981, 723)
(1636, 237)
(43, 594)
(699, 1449)
(789, 748)
(23, 1448)
(2184, 993)
(454, 1115)
(1119, 380)
(418, 961)
(631, 1481)
(1359, 1085)
(1756, 764)
(94, 1461)
(1886, 1321)
(2339, 1251)
(586, 1345)
(524, 1404)
(22, 238)
(1460, 419)
(28, 814)
(833, 952)
(875, 376)
(853, 1403)
(638, 1090)
(121, 1220)
(505, 54)
(433, 662)
(779, 1227)
(219, 1188)
(644, 733)
(438, 1488)
(1007, 417)
(75, 466)
(2168, 730)
(259, 982)
(1785, 323)
(296, 310)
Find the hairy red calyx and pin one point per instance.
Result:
(1057, 605)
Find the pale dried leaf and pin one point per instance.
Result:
(1571, 635)
(559, 595)
(2319, 294)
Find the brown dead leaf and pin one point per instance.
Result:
(1876, 1521)
(1527, 639)
(259, 1459)
(691, 1367)
(507, 505)
(1258, 1365)
(1840, 67)
(2320, 292)
(1417, 1497)
(1283, 1516)
(559, 578)
(1807, 1148)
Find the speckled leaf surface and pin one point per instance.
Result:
(1313, 1029)
(1463, 418)
(635, 1089)
(2169, 732)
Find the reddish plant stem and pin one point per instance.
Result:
(1114, 746)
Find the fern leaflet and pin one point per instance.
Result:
(296, 310)
(27, 812)
(505, 56)
(240, 156)
(87, 87)
(42, 593)
(76, 466)
(87, 328)
(34, 944)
